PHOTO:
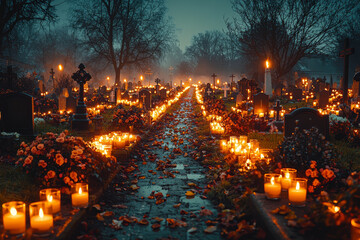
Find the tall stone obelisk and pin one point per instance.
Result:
(267, 83)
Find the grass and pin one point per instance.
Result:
(267, 140)
(349, 156)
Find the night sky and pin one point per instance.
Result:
(189, 16)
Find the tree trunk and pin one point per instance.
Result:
(117, 77)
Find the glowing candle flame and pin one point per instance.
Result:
(60, 67)
(336, 209)
(80, 191)
(297, 186)
(13, 211)
(272, 180)
(267, 64)
(287, 175)
(49, 198)
(41, 213)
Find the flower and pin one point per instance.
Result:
(66, 180)
(58, 155)
(60, 139)
(33, 150)
(42, 163)
(313, 164)
(20, 152)
(59, 161)
(308, 172)
(51, 174)
(40, 146)
(73, 175)
(316, 182)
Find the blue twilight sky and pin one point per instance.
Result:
(189, 16)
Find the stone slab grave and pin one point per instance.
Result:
(17, 113)
(306, 118)
(324, 98)
(208, 91)
(163, 93)
(145, 98)
(239, 99)
(261, 103)
(71, 103)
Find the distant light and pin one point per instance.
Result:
(124, 79)
(141, 77)
(60, 67)
(108, 78)
(267, 63)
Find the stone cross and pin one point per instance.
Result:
(345, 54)
(209, 92)
(214, 76)
(157, 80)
(52, 73)
(277, 108)
(225, 90)
(232, 77)
(143, 100)
(81, 120)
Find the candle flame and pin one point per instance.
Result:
(267, 64)
(13, 211)
(49, 198)
(336, 209)
(272, 180)
(80, 191)
(261, 156)
(41, 213)
(287, 175)
(297, 186)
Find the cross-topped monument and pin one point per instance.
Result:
(81, 120)
(214, 76)
(277, 109)
(225, 88)
(232, 77)
(345, 54)
(52, 73)
(143, 100)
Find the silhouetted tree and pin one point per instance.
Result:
(286, 30)
(124, 32)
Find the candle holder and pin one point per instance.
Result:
(223, 145)
(80, 195)
(53, 197)
(272, 186)
(297, 192)
(41, 218)
(287, 175)
(233, 140)
(355, 229)
(14, 219)
(243, 139)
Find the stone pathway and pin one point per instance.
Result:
(162, 172)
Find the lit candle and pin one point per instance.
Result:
(53, 197)
(261, 114)
(42, 222)
(14, 218)
(355, 229)
(287, 174)
(80, 198)
(297, 192)
(272, 186)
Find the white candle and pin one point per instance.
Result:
(14, 222)
(355, 229)
(42, 222)
(272, 189)
(297, 195)
(80, 199)
(54, 203)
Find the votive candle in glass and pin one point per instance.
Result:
(297, 192)
(243, 139)
(223, 145)
(41, 218)
(355, 229)
(272, 186)
(14, 219)
(80, 195)
(287, 174)
(53, 197)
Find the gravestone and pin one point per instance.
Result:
(117, 95)
(297, 94)
(112, 96)
(356, 84)
(163, 93)
(71, 103)
(130, 86)
(306, 118)
(208, 91)
(324, 98)
(62, 103)
(261, 103)
(126, 96)
(145, 98)
(41, 86)
(243, 86)
(239, 99)
(17, 113)
(225, 88)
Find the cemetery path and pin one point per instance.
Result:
(162, 172)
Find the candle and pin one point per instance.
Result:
(80, 198)
(297, 192)
(14, 218)
(355, 229)
(287, 174)
(42, 222)
(53, 198)
(272, 186)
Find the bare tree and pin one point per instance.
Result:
(14, 12)
(286, 30)
(124, 32)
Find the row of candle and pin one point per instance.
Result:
(41, 212)
(113, 140)
(159, 110)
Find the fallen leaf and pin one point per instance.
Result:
(134, 187)
(143, 221)
(177, 205)
(116, 224)
(97, 206)
(190, 194)
(119, 206)
(192, 230)
(205, 212)
(210, 229)
(107, 214)
(155, 226)
(158, 219)
(99, 217)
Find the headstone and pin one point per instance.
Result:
(324, 98)
(261, 103)
(243, 86)
(130, 86)
(117, 95)
(225, 88)
(355, 85)
(71, 103)
(239, 99)
(306, 118)
(126, 95)
(208, 91)
(17, 113)
(41, 86)
(163, 93)
(145, 98)
(112, 96)
(65, 92)
(297, 94)
(62, 103)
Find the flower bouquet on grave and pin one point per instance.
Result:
(123, 119)
(62, 160)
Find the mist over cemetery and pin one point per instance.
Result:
(110, 130)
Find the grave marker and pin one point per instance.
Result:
(324, 98)
(261, 103)
(145, 98)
